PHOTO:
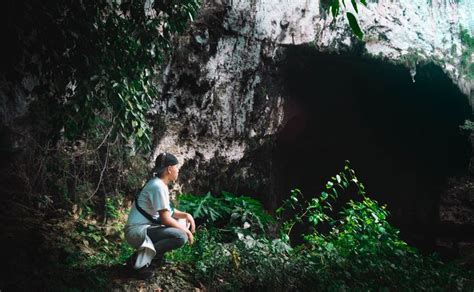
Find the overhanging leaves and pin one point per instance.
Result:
(354, 25)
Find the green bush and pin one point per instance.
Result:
(96, 244)
(247, 261)
(228, 209)
(360, 250)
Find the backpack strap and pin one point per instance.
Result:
(144, 213)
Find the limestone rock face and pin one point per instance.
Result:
(222, 98)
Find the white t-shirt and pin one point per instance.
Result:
(153, 197)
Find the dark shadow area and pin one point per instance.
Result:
(402, 138)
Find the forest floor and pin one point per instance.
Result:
(173, 277)
(37, 252)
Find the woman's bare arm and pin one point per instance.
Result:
(179, 214)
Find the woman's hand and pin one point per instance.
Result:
(190, 219)
(190, 237)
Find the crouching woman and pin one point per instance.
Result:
(153, 226)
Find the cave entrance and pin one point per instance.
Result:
(402, 138)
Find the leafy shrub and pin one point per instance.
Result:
(234, 211)
(247, 261)
(360, 250)
(95, 244)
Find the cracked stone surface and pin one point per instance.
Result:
(221, 97)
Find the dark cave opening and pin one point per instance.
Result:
(402, 138)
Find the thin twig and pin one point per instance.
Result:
(38, 172)
(106, 136)
(101, 173)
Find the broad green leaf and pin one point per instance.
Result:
(354, 25)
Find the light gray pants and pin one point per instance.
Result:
(166, 239)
